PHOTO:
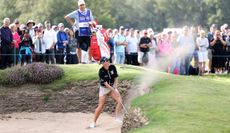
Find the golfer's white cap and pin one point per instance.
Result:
(81, 2)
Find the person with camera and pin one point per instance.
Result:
(144, 48)
(83, 21)
(39, 44)
(218, 60)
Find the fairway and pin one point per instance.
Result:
(179, 104)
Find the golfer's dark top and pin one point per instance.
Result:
(108, 75)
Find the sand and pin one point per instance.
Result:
(47, 122)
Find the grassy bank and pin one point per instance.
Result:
(187, 105)
(75, 73)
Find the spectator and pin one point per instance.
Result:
(72, 44)
(121, 43)
(39, 43)
(228, 52)
(202, 43)
(132, 48)
(15, 44)
(50, 39)
(111, 44)
(211, 33)
(30, 25)
(83, 18)
(218, 44)
(25, 53)
(62, 41)
(144, 48)
(6, 41)
(186, 42)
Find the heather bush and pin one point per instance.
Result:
(40, 73)
(36, 73)
(15, 76)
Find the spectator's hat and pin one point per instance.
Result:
(103, 60)
(81, 2)
(29, 22)
(60, 25)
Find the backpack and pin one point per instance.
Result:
(145, 58)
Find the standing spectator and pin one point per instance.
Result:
(15, 44)
(153, 49)
(72, 45)
(6, 41)
(83, 20)
(111, 44)
(50, 39)
(17, 24)
(186, 42)
(165, 49)
(144, 48)
(132, 48)
(228, 53)
(30, 25)
(121, 43)
(211, 33)
(202, 43)
(25, 53)
(62, 40)
(39, 43)
(218, 60)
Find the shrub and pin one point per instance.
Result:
(15, 76)
(40, 73)
(36, 73)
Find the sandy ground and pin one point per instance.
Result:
(56, 123)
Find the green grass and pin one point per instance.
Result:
(76, 73)
(187, 105)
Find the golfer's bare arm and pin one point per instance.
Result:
(115, 83)
(69, 20)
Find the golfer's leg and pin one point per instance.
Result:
(116, 96)
(98, 110)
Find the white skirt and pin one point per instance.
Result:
(103, 91)
(202, 56)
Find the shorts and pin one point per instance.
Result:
(140, 56)
(83, 41)
(210, 54)
(203, 56)
(103, 91)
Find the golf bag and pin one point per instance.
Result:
(99, 46)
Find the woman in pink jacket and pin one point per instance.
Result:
(15, 44)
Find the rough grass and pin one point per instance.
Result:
(187, 105)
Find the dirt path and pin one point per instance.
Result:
(56, 123)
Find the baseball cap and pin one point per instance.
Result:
(81, 2)
(104, 59)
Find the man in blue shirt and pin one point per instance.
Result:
(62, 41)
(83, 18)
(6, 40)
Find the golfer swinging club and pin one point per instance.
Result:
(108, 87)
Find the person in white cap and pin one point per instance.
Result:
(83, 19)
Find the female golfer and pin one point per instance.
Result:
(108, 87)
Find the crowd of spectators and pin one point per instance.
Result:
(177, 50)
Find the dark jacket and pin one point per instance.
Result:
(6, 36)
